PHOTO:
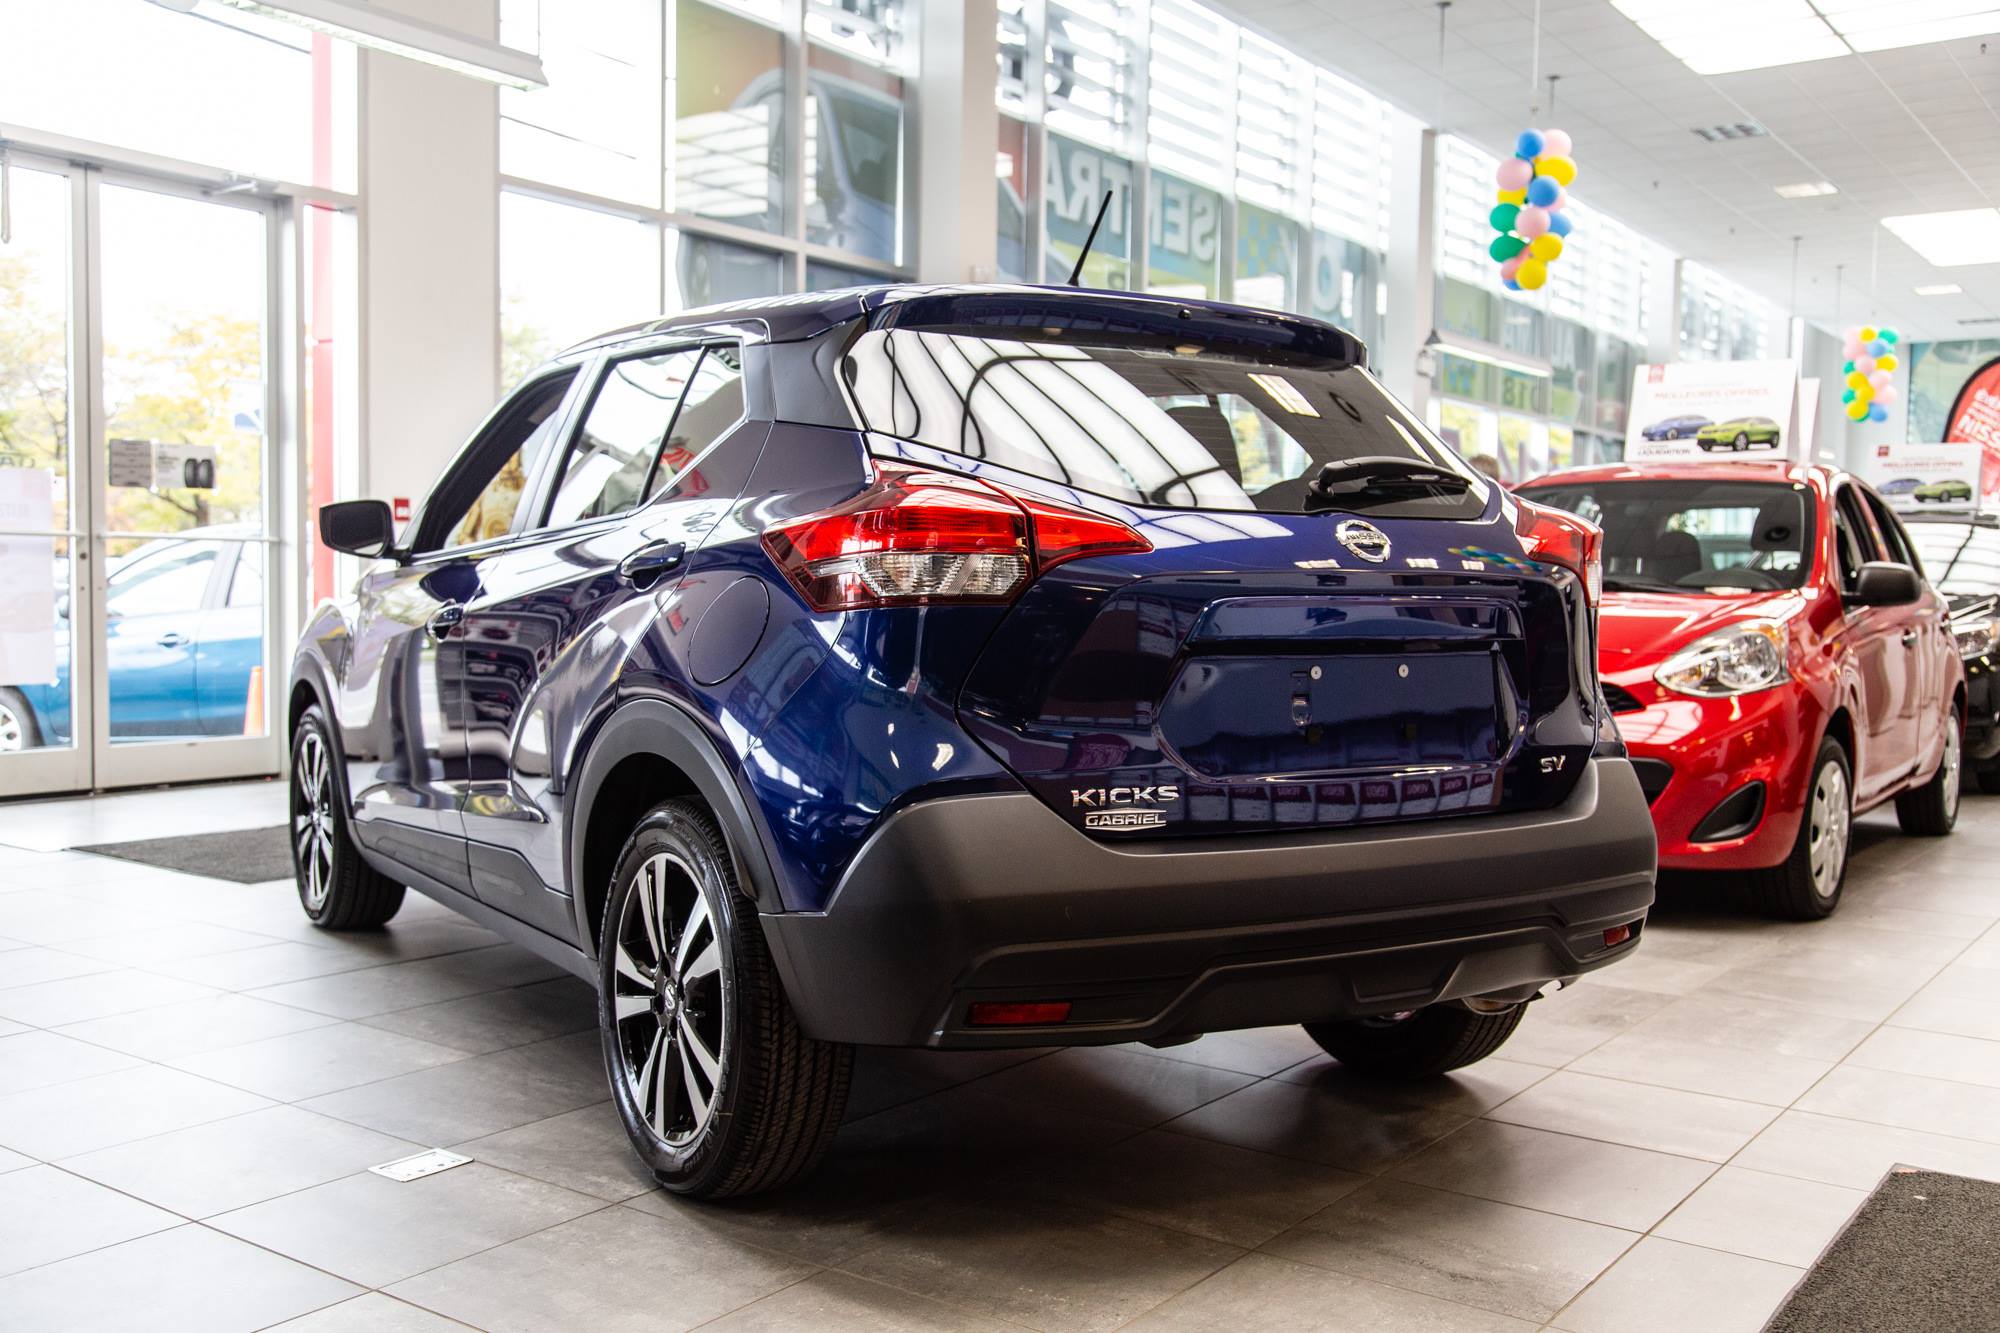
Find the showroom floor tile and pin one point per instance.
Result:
(193, 1083)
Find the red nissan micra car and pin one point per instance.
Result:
(1777, 662)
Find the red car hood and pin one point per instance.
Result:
(1638, 630)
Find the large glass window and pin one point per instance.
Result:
(1184, 238)
(569, 273)
(596, 127)
(1074, 186)
(1721, 320)
(854, 156)
(729, 106)
(1011, 167)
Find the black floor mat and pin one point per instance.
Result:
(248, 856)
(1922, 1254)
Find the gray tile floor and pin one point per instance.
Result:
(193, 1081)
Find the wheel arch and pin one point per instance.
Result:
(644, 752)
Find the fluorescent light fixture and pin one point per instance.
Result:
(1939, 289)
(1724, 36)
(379, 29)
(1951, 240)
(1807, 189)
(1487, 354)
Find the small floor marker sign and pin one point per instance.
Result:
(420, 1165)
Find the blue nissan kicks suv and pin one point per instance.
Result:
(971, 667)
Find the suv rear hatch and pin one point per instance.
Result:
(1338, 620)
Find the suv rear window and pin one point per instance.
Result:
(1179, 426)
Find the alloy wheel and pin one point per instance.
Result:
(670, 1001)
(1948, 768)
(13, 735)
(1826, 838)
(312, 820)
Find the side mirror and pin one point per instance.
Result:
(1885, 583)
(358, 527)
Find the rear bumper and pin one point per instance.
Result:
(995, 897)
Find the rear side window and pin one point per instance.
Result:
(613, 454)
(1173, 426)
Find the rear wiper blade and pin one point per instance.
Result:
(1345, 477)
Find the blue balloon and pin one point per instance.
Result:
(1510, 284)
(1877, 412)
(1560, 224)
(1529, 145)
(1878, 348)
(1544, 190)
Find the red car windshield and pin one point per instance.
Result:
(1693, 536)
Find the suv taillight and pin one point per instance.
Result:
(1562, 538)
(918, 537)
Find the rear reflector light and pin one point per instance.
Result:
(917, 537)
(1616, 936)
(1004, 1013)
(1562, 538)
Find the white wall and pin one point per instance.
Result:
(429, 257)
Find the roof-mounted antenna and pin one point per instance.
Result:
(1089, 240)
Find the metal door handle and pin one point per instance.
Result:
(1909, 637)
(645, 566)
(443, 620)
(173, 638)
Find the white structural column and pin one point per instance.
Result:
(1663, 309)
(1412, 260)
(957, 139)
(429, 257)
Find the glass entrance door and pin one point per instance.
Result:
(149, 662)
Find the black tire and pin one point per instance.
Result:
(1421, 1044)
(18, 728)
(1931, 810)
(1793, 889)
(715, 1022)
(1742, 442)
(1987, 775)
(337, 889)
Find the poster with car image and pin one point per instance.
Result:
(1689, 410)
(1926, 476)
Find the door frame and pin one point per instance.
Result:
(92, 761)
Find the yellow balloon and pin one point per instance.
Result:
(1546, 247)
(1513, 196)
(1885, 362)
(1867, 333)
(1857, 410)
(1532, 274)
(1562, 169)
(1857, 381)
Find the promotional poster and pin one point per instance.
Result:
(1926, 476)
(1975, 419)
(1690, 410)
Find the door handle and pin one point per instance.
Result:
(443, 620)
(173, 638)
(1909, 637)
(647, 565)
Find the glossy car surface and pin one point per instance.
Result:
(184, 626)
(1961, 553)
(1738, 433)
(1675, 428)
(1269, 709)
(1703, 551)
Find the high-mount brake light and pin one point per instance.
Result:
(1563, 538)
(917, 537)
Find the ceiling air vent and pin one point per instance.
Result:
(1744, 129)
(1983, 319)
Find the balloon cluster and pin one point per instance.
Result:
(1870, 371)
(1529, 217)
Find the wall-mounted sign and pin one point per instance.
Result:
(1744, 410)
(28, 574)
(184, 467)
(1926, 476)
(130, 463)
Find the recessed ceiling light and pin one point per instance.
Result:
(1939, 289)
(1807, 189)
(1723, 36)
(1954, 239)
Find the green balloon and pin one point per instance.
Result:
(1847, 367)
(1503, 215)
(1505, 248)
(1887, 336)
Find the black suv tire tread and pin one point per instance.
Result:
(1928, 811)
(790, 1090)
(1785, 890)
(1433, 1041)
(359, 897)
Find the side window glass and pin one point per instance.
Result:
(713, 404)
(622, 435)
(1893, 536)
(246, 585)
(1856, 543)
(166, 583)
(504, 463)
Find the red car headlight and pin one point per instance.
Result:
(1738, 660)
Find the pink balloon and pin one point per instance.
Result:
(1886, 395)
(1865, 364)
(1515, 173)
(1852, 333)
(1532, 222)
(1851, 349)
(1512, 266)
(1556, 143)
(1562, 197)
(1881, 379)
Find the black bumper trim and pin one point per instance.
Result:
(996, 897)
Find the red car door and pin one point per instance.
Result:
(1882, 655)
(1927, 643)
